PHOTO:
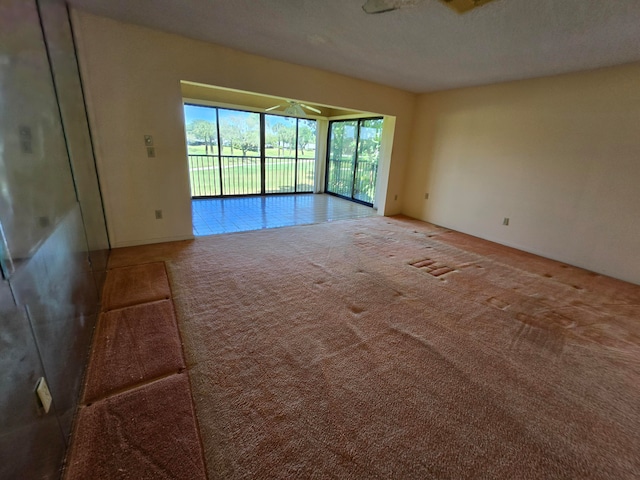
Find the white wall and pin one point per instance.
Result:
(559, 156)
(132, 82)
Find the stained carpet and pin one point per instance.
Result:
(391, 348)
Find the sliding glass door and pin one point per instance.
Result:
(343, 138)
(233, 152)
(352, 158)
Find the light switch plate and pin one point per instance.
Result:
(6, 261)
(42, 390)
(26, 144)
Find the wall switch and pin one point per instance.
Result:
(158, 214)
(151, 152)
(395, 197)
(505, 221)
(426, 196)
(6, 261)
(26, 144)
(148, 140)
(44, 395)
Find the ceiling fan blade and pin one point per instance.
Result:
(379, 6)
(273, 108)
(313, 109)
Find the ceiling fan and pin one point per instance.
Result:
(382, 6)
(295, 109)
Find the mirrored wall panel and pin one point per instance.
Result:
(53, 238)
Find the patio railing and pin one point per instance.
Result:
(359, 185)
(215, 176)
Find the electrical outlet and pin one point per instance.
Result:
(426, 196)
(505, 221)
(158, 214)
(44, 395)
(151, 152)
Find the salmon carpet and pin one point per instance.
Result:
(135, 284)
(133, 345)
(137, 420)
(145, 433)
(391, 348)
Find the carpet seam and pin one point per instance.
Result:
(155, 300)
(136, 386)
(133, 265)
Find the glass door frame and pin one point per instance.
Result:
(352, 198)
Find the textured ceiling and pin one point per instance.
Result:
(418, 48)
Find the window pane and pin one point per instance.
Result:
(202, 149)
(240, 143)
(307, 134)
(200, 122)
(224, 152)
(280, 154)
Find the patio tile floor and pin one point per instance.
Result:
(238, 214)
